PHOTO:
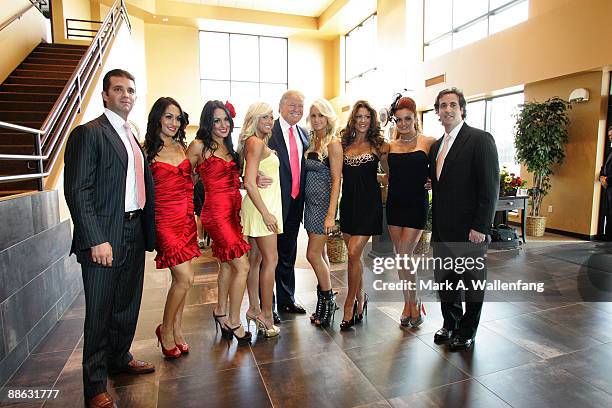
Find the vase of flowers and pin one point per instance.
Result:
(509, 183)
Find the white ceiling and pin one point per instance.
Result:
(310, 8)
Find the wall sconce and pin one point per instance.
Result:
(579, 95)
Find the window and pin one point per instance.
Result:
(360, 66)
(452, 24)
(242, 69)
(496, 116)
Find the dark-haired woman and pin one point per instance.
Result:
(176, 242)
(361, 204)
(408, 201)
(213, 157)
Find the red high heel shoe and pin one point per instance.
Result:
(174, 352)
(184, 347)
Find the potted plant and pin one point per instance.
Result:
(423, 245)
(509, 183)
(540, 136)
(336, 249)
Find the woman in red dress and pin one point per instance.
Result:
(175, 227)
(213, 157)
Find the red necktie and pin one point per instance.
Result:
(141, 197)
(295, 164)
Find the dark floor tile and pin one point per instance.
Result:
(136, 396)
(40, 370)
(64, 336)
(540, 336)
(491, 352)
(375, 328)
(465, 394)
(605, 306)
(298, 338)
(376, 404)
(543, 385)
(240, 387)
(324, 380)
(583, 319)
(208, 353)
(70, 382)
(591, 365)
(403, 367)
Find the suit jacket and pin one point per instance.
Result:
(94, 187)
(466, 195)
(277, 143)
(606, 170)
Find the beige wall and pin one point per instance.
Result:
(561, 39)
(574, 194)
(172, 63)
(307, 65)
(77, 9)
(21, 37)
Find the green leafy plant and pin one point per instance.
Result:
(540, 138)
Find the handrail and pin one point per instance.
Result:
(20, 13)
(57, 124)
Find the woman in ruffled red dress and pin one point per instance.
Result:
(213, 157)
(175, 227)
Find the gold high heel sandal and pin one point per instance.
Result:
(267, 332)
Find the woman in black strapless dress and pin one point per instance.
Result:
(361, 205)
(408, 199)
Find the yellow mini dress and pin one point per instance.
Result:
(252, 221)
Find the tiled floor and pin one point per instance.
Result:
(540, 353)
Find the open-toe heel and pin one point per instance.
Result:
(245, 339)
(225, 333)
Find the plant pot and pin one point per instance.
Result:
(336, 250)
(536, 226)
(423, 245)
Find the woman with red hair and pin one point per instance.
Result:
(407, 199)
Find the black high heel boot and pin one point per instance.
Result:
(347, 324)
(315, 315)
(364, 311)
(328, 308)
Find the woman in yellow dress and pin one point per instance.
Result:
(261, 213)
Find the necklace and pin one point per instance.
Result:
(409, 139)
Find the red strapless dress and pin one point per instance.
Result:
(177, 237)
(221, 211)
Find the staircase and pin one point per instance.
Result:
(26, 98)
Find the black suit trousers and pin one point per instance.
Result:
(287, 251)
(464, 324)
(112, 302)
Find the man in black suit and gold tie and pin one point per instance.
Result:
(465, 183)
(604, 178)
(109, 191)
(290, 141)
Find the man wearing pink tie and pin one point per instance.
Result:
(290, 141)
(109, 191)
(464, 172)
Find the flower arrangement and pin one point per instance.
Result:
(509, 183)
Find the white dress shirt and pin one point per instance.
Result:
(452, 136)
(298, 139)
(131, 203)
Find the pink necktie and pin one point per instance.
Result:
(295, 164)
(141, 197)
(442, 156)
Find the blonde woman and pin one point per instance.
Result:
(322, 189)
(261, 213)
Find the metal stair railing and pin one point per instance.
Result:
(54, 130)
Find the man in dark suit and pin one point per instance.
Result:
(604, 174)
(465, 183)
(109, 191)
(290, 141)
